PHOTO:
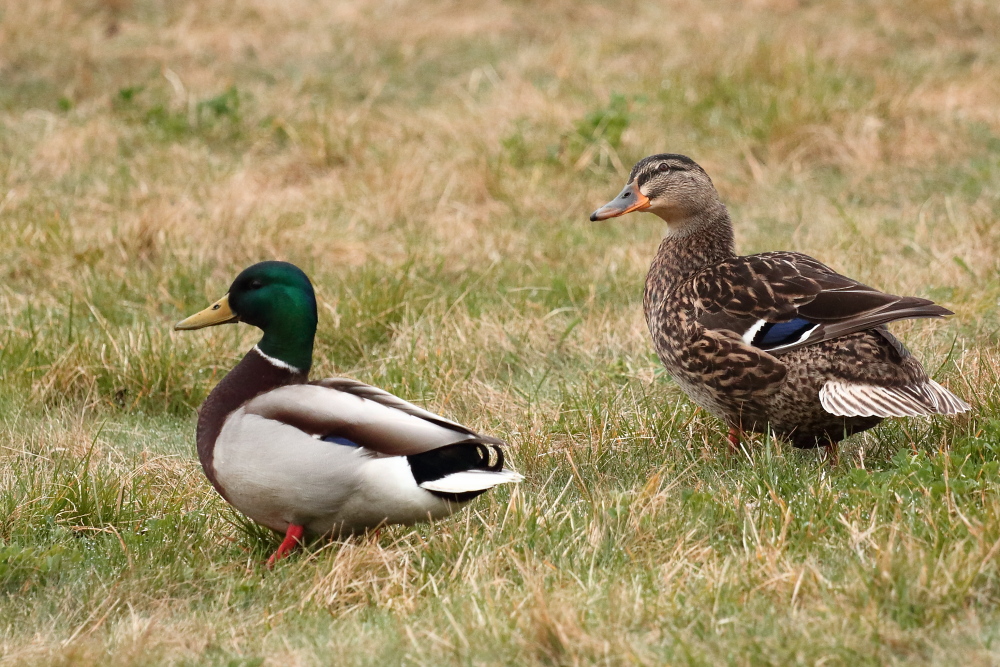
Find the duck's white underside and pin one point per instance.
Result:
(277, 474)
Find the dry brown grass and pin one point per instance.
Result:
(431, 165)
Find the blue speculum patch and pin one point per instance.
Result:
(338, 440)
(775, 334)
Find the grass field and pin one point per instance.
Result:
(432, 165)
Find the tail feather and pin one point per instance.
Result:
(461, 471)
(471, 480)
(947, 402)
(864, 400)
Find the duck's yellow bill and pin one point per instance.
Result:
(218, 313)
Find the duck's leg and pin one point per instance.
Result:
(734, 440)
(293, 536)
(832, 452)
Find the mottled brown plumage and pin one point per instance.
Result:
(776, 340)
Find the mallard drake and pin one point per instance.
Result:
(776, 340)
(333, 456)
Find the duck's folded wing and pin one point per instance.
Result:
(355, 412)
(383, 397)
(781, 301)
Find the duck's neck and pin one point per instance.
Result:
(690, 246)
(289, 338)
(256, 373)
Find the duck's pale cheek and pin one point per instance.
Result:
(675, 216)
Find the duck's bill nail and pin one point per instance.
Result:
(628, 200)
(218, 313)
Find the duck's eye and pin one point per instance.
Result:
(663, 166)
(256, 284)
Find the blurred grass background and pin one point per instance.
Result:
(432, 165)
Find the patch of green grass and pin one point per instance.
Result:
(598, 132)
(217, 119)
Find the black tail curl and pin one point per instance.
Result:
(473, 454)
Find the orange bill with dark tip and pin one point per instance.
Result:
(628, 200)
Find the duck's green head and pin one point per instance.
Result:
(275, 297)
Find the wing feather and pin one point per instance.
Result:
(370, 417)
(744, 294)
(383, 397)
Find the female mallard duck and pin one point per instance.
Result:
(329, 456)
(776, 340)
